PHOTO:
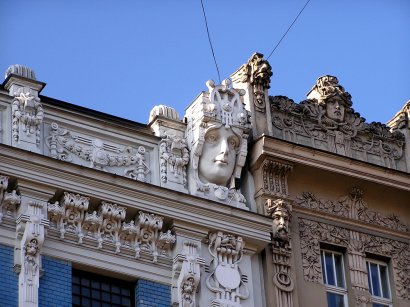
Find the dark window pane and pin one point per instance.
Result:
(76, 299)
(374, 275)
(125, 301)
(106, 297)
(331, 280)
(76, 280)
(334, 300)
(125, 291)
(85, 282)
(85, 302)
(379, 305)
(95, 294)
(106, 305)
(95, 284)
(116, 299)
(115, 289)
(384, 281)
(96, 303)
(339, 270)
(105, 287)
(76, 289)
(85, 292)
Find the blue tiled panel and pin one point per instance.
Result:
(8, 279)
(55, 284)
(152, 294)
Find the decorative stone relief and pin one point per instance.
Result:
(217, 133)
(225, 278)
(327, 121)
(106, 227)
(275, 178)
(280, 211)
(351, 206)
(69, 216)
(257, 71)
(8, 200)
(187, 274)
(32, 226)
(27, 116)
(357, 244)
(145, 235)
(174, 157)
(100, 155)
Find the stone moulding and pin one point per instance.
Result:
(357, 244)
(187, 275)
(310, 123)
(63, 145)
(350, 206)
(275, 178)
(225, 278)
(8, 200)
(106, 227)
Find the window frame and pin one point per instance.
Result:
(379, 299)
(332, 288)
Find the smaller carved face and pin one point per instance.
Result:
(281, 224)
(335, 109)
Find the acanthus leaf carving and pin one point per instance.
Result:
(225, 279)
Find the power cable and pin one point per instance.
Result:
(287, 29)
(210, 42)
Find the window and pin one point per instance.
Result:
(92, 290)
(378, 277)
(333, 278)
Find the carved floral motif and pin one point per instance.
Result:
(225, 279)
(313, 233)
(174, 157)
(28, 114)
(62, 143)
(351, 206)
(106, 226)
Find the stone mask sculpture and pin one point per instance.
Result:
(217, 132)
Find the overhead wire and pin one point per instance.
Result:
(210, 42)
(296, 18)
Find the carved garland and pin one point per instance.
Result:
(104, 226)
(351, 206)
(357, 244)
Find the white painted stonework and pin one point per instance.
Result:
(229, 206)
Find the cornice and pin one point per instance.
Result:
(135, 195)
(271, 147)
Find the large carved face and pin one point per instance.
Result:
(335, 109)
(217, 162)
(281, 224)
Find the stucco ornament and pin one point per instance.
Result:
(28, 114)
(280, 211)
(327, 121)
(68, 146)
(225, 278)
(8, 200)
(31, 226)
(217, 134)
(313, 233)
(174, 157)
(187, 275)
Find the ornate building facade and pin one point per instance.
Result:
(249, 200)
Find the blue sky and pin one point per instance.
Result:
(124, 57)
